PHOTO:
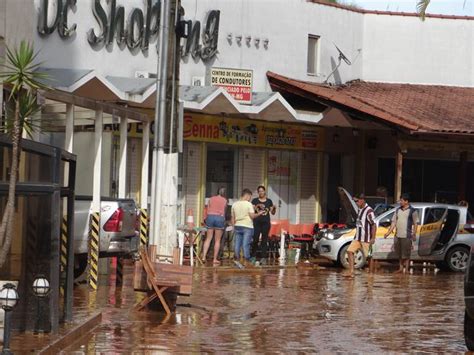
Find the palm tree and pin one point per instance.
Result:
(21, 77)
(422, 5)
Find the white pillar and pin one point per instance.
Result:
(97, 174)
(122, 183)
(145, 165)
(69, 141)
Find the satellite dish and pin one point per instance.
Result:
(342, 57)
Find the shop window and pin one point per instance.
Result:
(313, 54)
(220, 170)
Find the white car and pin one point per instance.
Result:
(445, 235)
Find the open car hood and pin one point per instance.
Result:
(349, 208)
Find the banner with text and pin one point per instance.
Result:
(237, 82)
(252, 133)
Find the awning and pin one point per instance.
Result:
(428, 109)
(268, 106)
(141, 92)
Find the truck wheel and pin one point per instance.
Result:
(468, 331)
(359, 258)
(80, 264)
(456, 258)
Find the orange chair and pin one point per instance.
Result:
(294, 230)
(285, 225)
(274, 238)
(306, 237)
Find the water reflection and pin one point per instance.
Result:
(288, 310)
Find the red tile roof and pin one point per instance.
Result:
(388, 13)
(416, 108)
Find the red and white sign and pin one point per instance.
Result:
(237, 82)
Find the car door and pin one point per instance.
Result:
(429, 233)
(383, 246)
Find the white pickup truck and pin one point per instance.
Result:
(118, 229)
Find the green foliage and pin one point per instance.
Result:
(29, 107)
(421, 7)
(22, 77)
(20, 70)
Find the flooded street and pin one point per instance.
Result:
(283, 310)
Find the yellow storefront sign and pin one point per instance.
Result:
(252, 133)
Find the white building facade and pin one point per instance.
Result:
(300, 39)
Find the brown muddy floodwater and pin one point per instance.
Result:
(287, 310)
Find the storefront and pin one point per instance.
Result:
(239, 153)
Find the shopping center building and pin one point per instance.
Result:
(301, 96)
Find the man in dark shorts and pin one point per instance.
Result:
(405, 220)
(261, 224)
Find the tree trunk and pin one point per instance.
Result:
(6, 228)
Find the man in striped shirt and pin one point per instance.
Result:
(365, 232)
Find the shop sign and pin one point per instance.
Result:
(252, 133)
(237, 82)
(134, 29)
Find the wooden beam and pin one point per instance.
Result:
(462, 176)
(90, 104)
(398, 176)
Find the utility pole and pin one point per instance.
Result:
(164, 170)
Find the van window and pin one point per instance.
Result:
(433, 215)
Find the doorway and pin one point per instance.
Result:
(282, 183)
(221, 170)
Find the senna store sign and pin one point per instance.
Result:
(252, 133)
(132, 28)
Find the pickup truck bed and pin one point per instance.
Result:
(118, 234)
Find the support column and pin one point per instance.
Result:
(94, 228)
(69, 141)
(67, 238)
(398, 176)
(462, 176)
(202, 184)
(319, 183)
(361, 162)
(122, 183)
(144, 185)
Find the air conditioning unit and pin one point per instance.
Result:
(198, 81)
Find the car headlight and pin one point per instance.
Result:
(332, 235)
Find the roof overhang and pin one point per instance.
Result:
(268, 106)
(327, 96)
(412, 108)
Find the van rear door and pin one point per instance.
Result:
(430, 231)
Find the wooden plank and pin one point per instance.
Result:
(165, 272)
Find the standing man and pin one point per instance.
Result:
(365, 232)
(262, 223)
(405, 220)
(242, 215)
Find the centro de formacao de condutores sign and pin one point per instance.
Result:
(135, 33)
(237, 82)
